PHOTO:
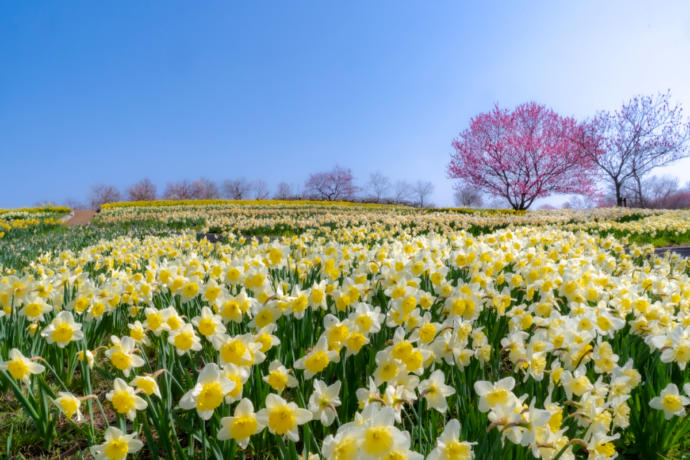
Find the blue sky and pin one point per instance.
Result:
(113, 92)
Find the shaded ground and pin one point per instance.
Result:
(81, 217)
(681, 250)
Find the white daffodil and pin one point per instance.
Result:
(208, 393)
(492, 395)
(123, 356)
(366, 319)
(435, 391)
(117, 445)
(35, 308)
(172, 320)
(449, 446)
(208, 324)
(240, 350)
(369, 395)
(576, 383)
(279, 377)
(184, 339)
(69, 405)
(317, 359)
(137, 331)
(387, 367)
(344, 445)
(154, 321)
(242, 425)
(88, 356)
(238, 375)
(124, 399)
(265, 338)
(679, 348)
(147, 384)
(62, 330)
(20, 367)
(324, 400)
(670, 401)
(282, 417)
(602, 446)
(379, 434)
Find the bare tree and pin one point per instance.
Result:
(402, 192)
(182, 190)
(260, 189)
(497, 203)
(467, 196)
(44, 204)
(143, 190)
(101, 194)
(628, 144)
(74, 204)
(237, 189)
(421, 191)
(378, 185)
(656, 191)
(204, 189)
(334, 185)
(579, 202)
(284, 192)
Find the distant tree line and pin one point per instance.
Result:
(511, 157)
(658, 192)
(336, 184)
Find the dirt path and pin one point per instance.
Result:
(81, 217)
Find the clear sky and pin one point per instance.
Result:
(112, 92)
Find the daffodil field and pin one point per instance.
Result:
(24, 221)
(346, 332)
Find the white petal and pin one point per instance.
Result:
(209, 373)
(245, 407)
(482, 387)
(302, 416)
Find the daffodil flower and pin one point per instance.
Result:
(670, 401)
(242, 425)
(279, 377)
(449, 446)
(123, 356)
(117, 445)
(282, 417)
(20, 367)
(124, 399)
(324, 400)
(317, 359)
(492, 395)
(435, 391)
(208, 393)
(62, 330)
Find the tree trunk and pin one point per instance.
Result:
(641, 202)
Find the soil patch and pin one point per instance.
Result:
(81, 217)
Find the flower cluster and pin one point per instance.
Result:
(361, 340)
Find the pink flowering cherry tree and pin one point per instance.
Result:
(524, 154)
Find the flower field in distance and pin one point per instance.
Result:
(344, 332)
